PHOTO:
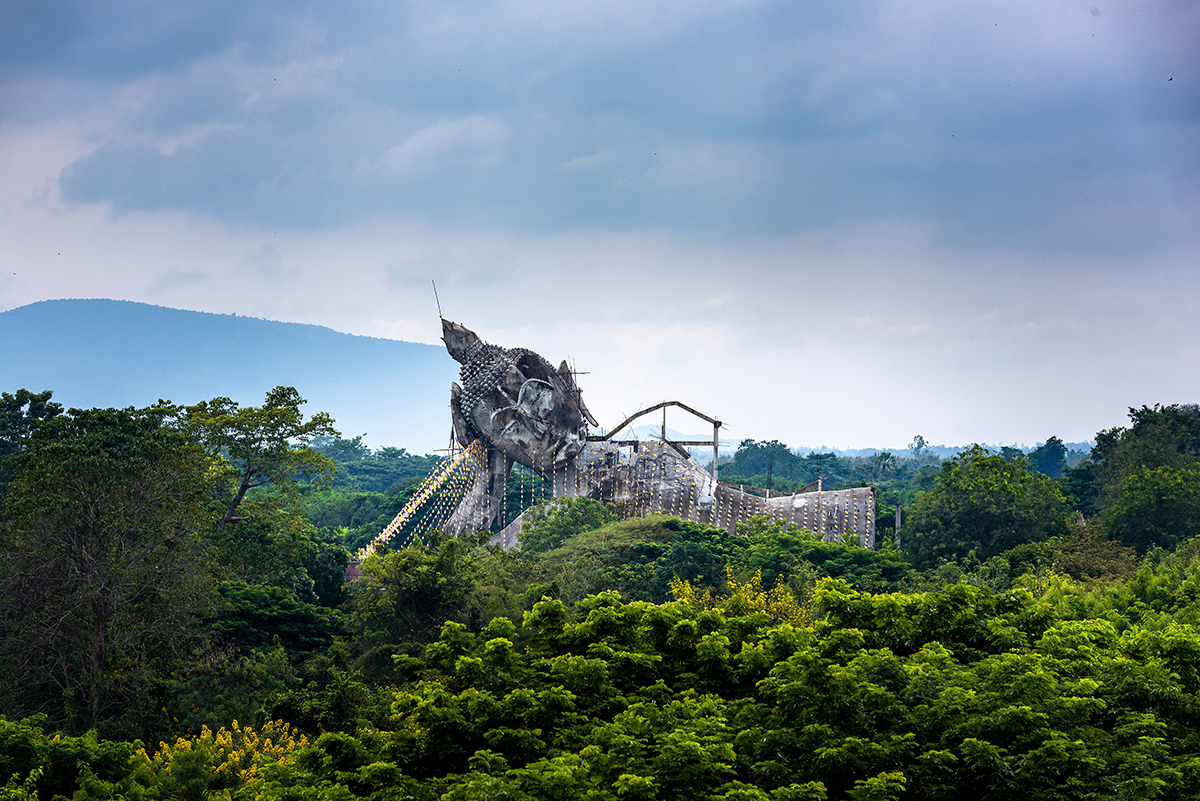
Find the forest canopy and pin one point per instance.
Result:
(177, 622)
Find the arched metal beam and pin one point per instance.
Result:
(716, 424)
(655, 408)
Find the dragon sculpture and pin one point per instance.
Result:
(523, 410)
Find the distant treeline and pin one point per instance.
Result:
(360, 468)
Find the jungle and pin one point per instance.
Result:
(176, 622)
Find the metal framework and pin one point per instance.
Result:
(716, 424)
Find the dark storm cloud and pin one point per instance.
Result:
(1032, 125)
(110, 40)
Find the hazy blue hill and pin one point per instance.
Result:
(120, 353)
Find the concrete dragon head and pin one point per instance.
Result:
(515, 401)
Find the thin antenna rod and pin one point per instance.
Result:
(436, 300)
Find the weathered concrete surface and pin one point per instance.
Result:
(523, 409)
(661, 479)
(526, 411)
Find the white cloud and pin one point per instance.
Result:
(175, 278)
(725, 165)
(426, 331)
(1056, 326)
(909, 330)
(473, 138)
(605, 157)
(716, 302)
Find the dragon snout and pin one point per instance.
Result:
(571, 445)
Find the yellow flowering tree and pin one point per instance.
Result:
(217, 760)
(779, 602)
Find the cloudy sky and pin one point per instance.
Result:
(839, 223)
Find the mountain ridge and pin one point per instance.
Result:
(103, 352)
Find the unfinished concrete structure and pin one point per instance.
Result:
(521, 410)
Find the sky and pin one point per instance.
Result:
(828, 223)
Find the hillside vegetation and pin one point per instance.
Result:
(176, 623)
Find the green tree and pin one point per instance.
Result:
(549, 524)
(1050, 458)
(1009, 453)
(261, 534)
(638, 556)
(220, 683)
(1159, 436)
(982, 503)
(404, 598)
(758, 458)
(45, 764)
(883, 464)
(325, 560)
(1158, 508)
(797, 556)
(261, 445)
(20, 414)
(103, 573)
(1086, 555)
(258, 617)
(341, 450)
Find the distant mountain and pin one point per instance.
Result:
(120, 353)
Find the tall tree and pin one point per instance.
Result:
(1159, 507)
(20, 414)
(102, 574)
(342, 450)
(983, 503)
(406, 596)
(883, 463)
(1009, 453)
(261, 445)
(1049, 458)
(757, 458)
(1159, 436)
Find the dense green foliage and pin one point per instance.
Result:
(404, 598)
(20, 414)
(100, 546)
(964, 692)
(178, 574)
(773, 465)
(984, 503)
(1162, 436)
(361, 469)
(550, 524)
(1157, 508)
(1050, 458)
(115, 532)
